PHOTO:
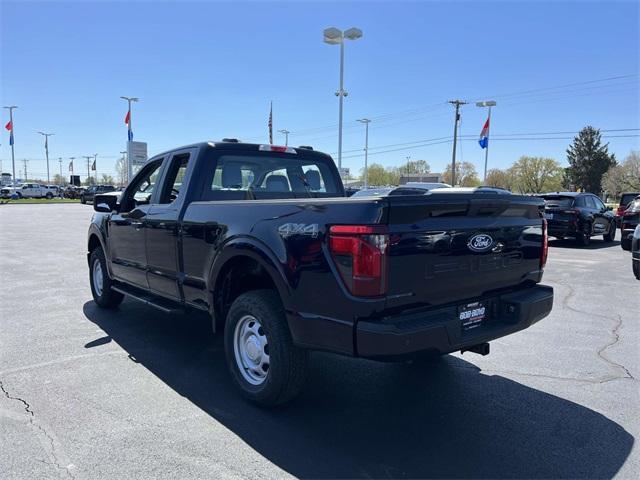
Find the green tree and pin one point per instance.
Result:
(376, 175)
(415, 167)
(537, 174)
(121, 171)
(588, 160)
(502, 178)
(624, 177)
(466, 175)
(106, 179)
(58, 180)
(89, 181)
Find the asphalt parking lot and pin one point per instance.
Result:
(138, 394)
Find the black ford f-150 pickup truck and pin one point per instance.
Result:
(263, 238)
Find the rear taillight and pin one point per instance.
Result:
(360, 253)
(620, 211)
(545, 244)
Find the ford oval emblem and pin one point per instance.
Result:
(480, 243)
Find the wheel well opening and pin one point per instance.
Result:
(93, 243)
(238, 276)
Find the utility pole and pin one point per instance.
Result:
(24, 162)
(11, 141)
(88, 157)
(124, 165)
(60, 161)
(46, 151)
(366, 122)
(457, 104)
(286, 136)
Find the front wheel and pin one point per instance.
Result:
(625, 243)
(82, 201)
(610, 236)
(264, 364)
(49, 196)
(100, 282)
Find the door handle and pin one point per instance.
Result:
(137, 224)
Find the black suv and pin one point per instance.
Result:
(93, 190)
(578, 215)
(629, 221)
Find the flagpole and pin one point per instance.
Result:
(13, 140)
(486, 150)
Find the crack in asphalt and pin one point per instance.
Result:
(33, 423)
(614, 332)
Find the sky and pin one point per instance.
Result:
(207, 70)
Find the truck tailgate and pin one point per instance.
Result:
(452, 247)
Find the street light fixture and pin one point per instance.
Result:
(366, 122)
(335, 36)
(488, 104)
(46, 151)
(286, 136)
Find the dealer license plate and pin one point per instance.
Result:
(548, 216)
(472, 315)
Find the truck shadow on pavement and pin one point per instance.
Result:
(362, 419)
(595, 244)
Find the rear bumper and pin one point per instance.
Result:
(440, 331)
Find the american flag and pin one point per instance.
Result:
(271, 124)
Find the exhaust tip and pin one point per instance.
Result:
(481, 349)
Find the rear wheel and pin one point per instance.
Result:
(584, 237)
(49, 195)
(264, 364)
(82, 200)
(610, 236)
(625, 243)
(100, 282)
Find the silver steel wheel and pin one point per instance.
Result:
(251, 350)
(97, 277)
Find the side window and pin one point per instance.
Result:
(598, 203)
(580, 202)
(589, 201)
(139, 193)
(175, 178)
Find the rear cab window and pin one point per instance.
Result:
(256, 175)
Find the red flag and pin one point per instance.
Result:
(9, 126)
(127, 117)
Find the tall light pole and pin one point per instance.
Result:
(46, 151)
(335, 36)
(95, 166)
(457, 104)
(24, 162)
(366, 122)
(60, 162)
(488, 104)
(11, 141)
(124, 164)
(129, 134)
(286, 136)
(88, 157)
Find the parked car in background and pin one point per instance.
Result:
(625, 200)
(35, 190)
(93, 190)
(388, 191)
(629, 221)
(578, 215)
(73, 192)
(426, 185)
(635, 252)
(55, 189)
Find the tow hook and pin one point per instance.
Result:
(480, 349)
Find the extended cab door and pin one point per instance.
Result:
(126, 229)
(163, 226)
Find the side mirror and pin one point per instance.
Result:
(609, 209)
(105, 203)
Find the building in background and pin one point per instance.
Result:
(420, 177)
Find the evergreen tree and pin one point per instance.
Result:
(588, 160)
